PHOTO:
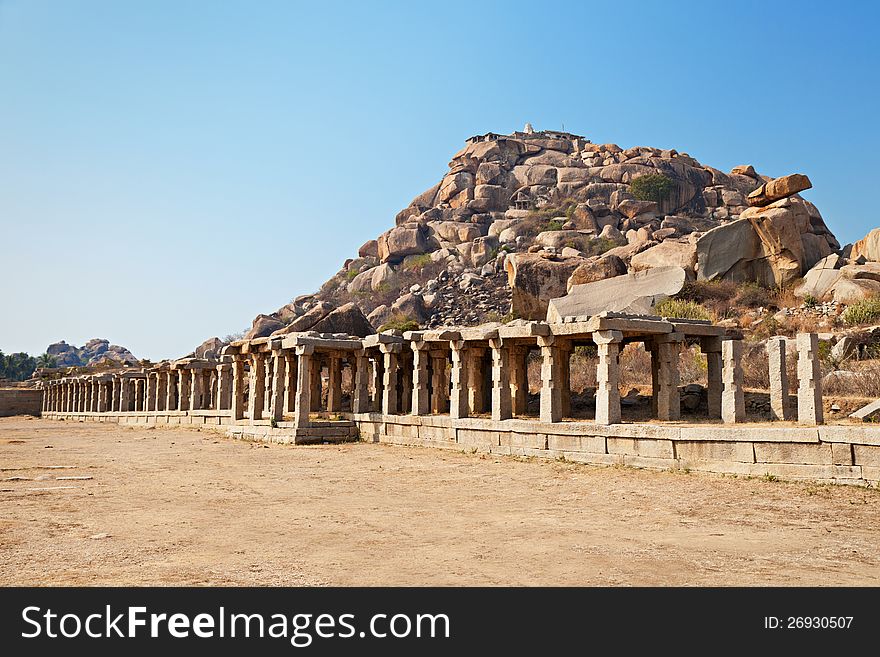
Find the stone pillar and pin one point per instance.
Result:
(114, 393)
(390, 394)
(458, 397)
(378, 378)
(161, 390)
(809, 380)
(317, 391)
(276, 401)
(421, 401)
(75, 397)
(150, 392)
(779, 409)
(475, 379)
(565, 379)
(138, 385)
(237, 402)
(256, 396)
(124, 394)
(607, 372)
(654, 350)
(733, 407)
(303, 402)
(289, 382)
(224, 386)
(711, 347)
(439, 385)
(405, 381)
(334, 384)
(360, 402)
(268, 378)
(668, 399)
(551, 394)
(502, 403)
(184, 379)
(170, 386)
(195, 389)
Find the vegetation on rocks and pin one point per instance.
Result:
(681, 309)
(866, 311)
(651, 187)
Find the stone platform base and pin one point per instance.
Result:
(835, 454)
(286, 433)
(842, 454)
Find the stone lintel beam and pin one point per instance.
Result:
(527, 330)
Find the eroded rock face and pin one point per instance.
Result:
(409, 239)
(345, 319)
(779, 188)
(262, 326)
(633, 293)
(868, 247)
(210, 348)
(534, 280)
(92, 352)
(680, 253)
(597, 268)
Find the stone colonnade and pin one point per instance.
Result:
(459, 372)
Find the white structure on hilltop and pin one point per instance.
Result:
(528, 129)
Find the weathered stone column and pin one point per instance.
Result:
(224, 385)
(161, 390)
(607, 373)
(138, 385)
(551, 394)
(334, 384)
(317, 391)
(184, 377)
(810, 410)
(289, 381)
(76, 396)
(303, 385)
(276, 402)
(439, 385)
(150, 392)
(377, 377)
(404, 381)
(733, 407)
(668, 399)
(268, 378)
(237, 405)
(458, 397)
(565, 379)
(390, 392)
(196, 386)
(475, 379)
(360, 402)
(124, 394)
(502, 403)
(711, 347)
(421, 401)
(256, 395)
(102, 397)
(779, 409)
(115, 387)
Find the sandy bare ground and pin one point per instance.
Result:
(188, 507)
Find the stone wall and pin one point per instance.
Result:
(20, 401)
(838, 454)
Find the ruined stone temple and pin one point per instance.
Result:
(467, 388)
(485, 244)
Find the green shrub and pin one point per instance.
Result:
(651, 187)
(417, 262)
(399, 323)
(862, 312)
(680, 309)
(810, 301)
(598, 246)
(554, 224)
(351, 273)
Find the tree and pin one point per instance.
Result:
(45, 360)
(651, 187)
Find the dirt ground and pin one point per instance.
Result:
(88, 504)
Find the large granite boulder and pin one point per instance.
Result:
(597, 268)
(209, 349)
(633, 293)
(309, 319)
(397, 243)
(680, 253)
(534, 280)
(348, 318)
(868, 247)
(262, 326)
(779, 188)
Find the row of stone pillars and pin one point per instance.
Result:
(94, 395)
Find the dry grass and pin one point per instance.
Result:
(863, 382)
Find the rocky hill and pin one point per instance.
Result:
(95, 351)
(519, 219)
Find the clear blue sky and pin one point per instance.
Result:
(170, 169)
